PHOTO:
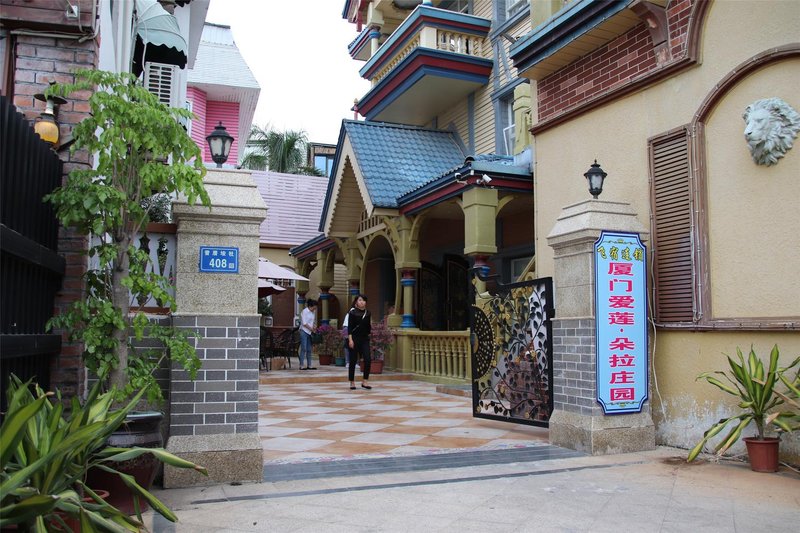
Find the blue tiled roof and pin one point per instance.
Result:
(395, 159)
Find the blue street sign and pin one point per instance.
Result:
(621, 311)
(219, 259)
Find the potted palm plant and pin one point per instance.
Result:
(761, 403)
(45, 456)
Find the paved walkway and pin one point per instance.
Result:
(642, 492)
(325, 420)
(420, 462)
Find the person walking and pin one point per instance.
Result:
(359, 327)
(308, 325)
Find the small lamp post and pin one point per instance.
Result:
(595, 175)
(46, 126)
(219, 142)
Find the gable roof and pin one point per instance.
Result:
(391, 160)
(395, 159)
(293, 203)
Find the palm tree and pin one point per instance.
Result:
(279, 151)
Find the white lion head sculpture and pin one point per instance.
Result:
(771, 127)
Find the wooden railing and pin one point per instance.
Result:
(439, 354)
(459, 43)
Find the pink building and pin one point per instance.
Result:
(221, 88)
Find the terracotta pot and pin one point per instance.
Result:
(139, 430)
(763, 453)
(376, 367)
(325, 359)
(74, 523)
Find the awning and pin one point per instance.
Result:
(269, 270)
(267, 288)
(158, 37)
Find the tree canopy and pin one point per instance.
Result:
(279, 151)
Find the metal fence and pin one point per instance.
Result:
(30, 269)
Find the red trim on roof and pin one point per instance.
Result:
(418, 62)
(323, 245)
(456, 188)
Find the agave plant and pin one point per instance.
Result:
(45, 457)
(755, 386)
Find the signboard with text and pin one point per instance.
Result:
(219, 259)
(621, 312)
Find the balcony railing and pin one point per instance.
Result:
(430, 44)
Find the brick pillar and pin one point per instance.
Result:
(578, 421)
(214, 419)
(37, 62)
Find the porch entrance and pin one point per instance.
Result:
(512, 379)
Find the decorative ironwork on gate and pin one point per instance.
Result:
(512, 352)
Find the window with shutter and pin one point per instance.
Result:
(674, 229)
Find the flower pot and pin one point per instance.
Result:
(141, 430)
(340, 361)
(74, 522)
(376, 367)
(325, 359)
(763, 453)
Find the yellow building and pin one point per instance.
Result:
(656, 93)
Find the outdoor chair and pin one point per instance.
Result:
(266, 349)
(286, 345)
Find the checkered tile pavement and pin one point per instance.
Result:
(312, 421)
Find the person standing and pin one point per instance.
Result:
(308, 325)
(359, 327)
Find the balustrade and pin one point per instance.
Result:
(440, 354)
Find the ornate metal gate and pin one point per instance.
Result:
(512, 352)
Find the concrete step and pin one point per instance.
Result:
(325, 374)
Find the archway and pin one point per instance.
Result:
(379, 277)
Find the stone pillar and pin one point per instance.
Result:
(214, 419)
(578, 421)
(408, 281)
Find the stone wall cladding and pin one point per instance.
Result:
(574, 366)
(628, 57)
(37, 61)
(223, 398)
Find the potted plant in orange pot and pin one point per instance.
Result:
(330, 344)
(756, 386)
(381, 338)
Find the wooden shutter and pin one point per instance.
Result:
(673, 227)
(159, 79)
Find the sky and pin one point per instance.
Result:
(297, 50)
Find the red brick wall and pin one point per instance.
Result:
(628, 57)
(37, 61)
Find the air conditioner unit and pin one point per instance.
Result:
(161, 79)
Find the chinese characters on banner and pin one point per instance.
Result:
(219, 259)
(621, 312)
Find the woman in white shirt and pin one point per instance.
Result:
(308, 325)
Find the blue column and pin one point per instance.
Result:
(408, 281)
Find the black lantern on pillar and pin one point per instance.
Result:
(219, 142)
(595, 175)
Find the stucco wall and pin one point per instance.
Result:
(752, 210)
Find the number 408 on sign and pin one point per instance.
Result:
(219, 259)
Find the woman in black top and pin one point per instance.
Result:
(358, 330)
